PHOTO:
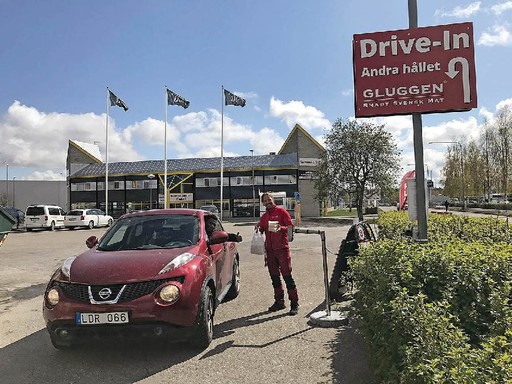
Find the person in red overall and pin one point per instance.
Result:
(278, 256)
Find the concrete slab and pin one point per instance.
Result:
(321, 319)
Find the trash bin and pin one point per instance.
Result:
(6, 223)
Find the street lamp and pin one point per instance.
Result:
(459, 144)
(150, 177)
(253, 200)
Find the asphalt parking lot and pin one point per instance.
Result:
(249, 346)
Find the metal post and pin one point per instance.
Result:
(324, 257)
(150, 177)
(418, 148)
(253, 200)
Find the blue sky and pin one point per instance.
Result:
(291, 61)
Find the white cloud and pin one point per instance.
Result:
(267, 140)
(490, 117)
(504, 105)
(498, 9)
(395, 125)
(461, 12)
(32, 138)
(45, 175)
(294, 112)
(453, 130)
(498, 35)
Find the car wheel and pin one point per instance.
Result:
(52, 226)
(109, 224)
(234, 290)
(29, 229)
(91, 224)
(59, 344)
(204, 326)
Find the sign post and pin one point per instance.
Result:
(415, 71)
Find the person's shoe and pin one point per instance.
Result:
(277, 306)
(294, 309)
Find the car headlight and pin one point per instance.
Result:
(53, 296)
(179, 261)
(66, 266)
(169, 294)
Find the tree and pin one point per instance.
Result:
(361, 160)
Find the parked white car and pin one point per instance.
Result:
(42, 216)
(89, 218)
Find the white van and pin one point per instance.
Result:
(44, 217)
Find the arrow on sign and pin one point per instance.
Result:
(452, 72)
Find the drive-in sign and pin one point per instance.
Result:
(420, 70)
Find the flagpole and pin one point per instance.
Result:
(106, 157)
(165, 150)
(222, 155)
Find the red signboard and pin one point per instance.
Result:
(404, 192)
(420, 70)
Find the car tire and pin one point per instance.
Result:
(203, 334)
(29, 229)
(91, 225)
(234, 290)
(109, 224)
(52, 226)
(59, 344)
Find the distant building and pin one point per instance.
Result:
(195, 182)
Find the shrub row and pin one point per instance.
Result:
(438, 312)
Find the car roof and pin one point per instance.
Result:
(169, 211)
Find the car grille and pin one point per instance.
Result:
(126, 292)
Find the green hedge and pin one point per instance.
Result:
(438, 312)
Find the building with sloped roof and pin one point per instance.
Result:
(194, 182)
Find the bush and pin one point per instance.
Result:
(440, 311)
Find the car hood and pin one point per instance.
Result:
(99, 267)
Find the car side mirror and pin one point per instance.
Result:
(91, 241)
(237, 238)
(219, 237)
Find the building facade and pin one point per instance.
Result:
(192, 183)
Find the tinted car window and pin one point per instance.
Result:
(75, 213)
(35, 211)
(54, 211)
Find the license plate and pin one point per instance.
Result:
(83, 318)
(72, 219)
(34, 218)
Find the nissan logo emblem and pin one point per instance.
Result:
(105, 293)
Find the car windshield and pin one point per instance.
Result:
(151, 232)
